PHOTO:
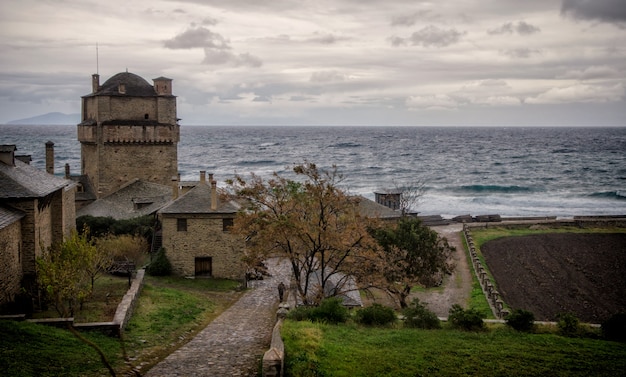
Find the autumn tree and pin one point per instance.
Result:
(63, 272)
(414, 255)
(311, 222)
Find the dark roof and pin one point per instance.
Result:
(26, 181)
(9, 216)
(372, 209)
(134, 86)
(198, 201)
(137, 198)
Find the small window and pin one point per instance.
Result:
(227, 224)
(181, 225)
(146, 116)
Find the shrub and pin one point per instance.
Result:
(469, 320)
(568, 324)
(614, 328)
(418, 316)
(329, 310)
(521, 320)
(160, 266)
(375, 315)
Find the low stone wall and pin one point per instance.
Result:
(274, 358)
(489, 288)
(127, 305)
(120, 320)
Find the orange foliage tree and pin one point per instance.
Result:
(314, 224)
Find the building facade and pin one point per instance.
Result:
(129, 130)
(37, 210)
(196, 234)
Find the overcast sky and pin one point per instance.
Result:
(327, 62)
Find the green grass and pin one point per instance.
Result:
(349, 350)
(170, 311)
(477, 299)
(482, 235)
(28, 349)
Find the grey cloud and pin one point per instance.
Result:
(409, 19)
(522, 28)
(612, 11)
(522, 53)
(327, 76)
(262, 99)
(591, 73)
(197, 38)
(219, 57)
(430, 36)
(526, 28)
(326, 39)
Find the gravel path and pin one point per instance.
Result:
(456, 287)
(234, 343)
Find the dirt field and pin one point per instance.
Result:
(548, 274)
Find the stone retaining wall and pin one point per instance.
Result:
(120, 320)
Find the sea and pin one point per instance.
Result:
(512, 171)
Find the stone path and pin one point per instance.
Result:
(234, 343)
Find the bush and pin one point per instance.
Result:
(375, 315)
(568, 324)
(329, 310)
(521, 320)
(160, 266)
(614, 328)
(469, 320)
(418, 316)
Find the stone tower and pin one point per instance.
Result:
(129, 130)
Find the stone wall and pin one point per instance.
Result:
(204, 237)
(36, 231)
(10, 261)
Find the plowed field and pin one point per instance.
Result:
(548, 274)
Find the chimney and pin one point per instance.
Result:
(210, 177)
(7, 154)
(202, 176)
(50, 157)
(67, 171)
(213, 195)
(175, 180)
(95, 82)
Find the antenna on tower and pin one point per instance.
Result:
(97, 60)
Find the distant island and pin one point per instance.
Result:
(53, 119)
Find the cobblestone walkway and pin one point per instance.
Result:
(234, 343)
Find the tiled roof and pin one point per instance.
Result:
(372, 209)
(26, 181)
(198, 201)
(9, 216)
(138, 198)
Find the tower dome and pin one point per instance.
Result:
(126, 83)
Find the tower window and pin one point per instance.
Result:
(146, 116)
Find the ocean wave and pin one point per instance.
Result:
(619, 195)
(481, 189)
(345, 145)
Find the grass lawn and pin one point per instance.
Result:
(169, 313)
(350, 350)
